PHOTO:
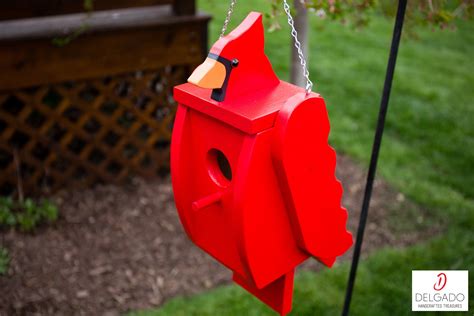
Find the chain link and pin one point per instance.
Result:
(294, 33)
(227, 18)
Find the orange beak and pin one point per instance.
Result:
(209, 75)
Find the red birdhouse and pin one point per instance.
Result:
(253, 175)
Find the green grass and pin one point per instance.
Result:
(427, 153)
(383, 286)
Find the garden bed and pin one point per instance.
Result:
(121, 248)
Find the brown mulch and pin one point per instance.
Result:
(121, 248)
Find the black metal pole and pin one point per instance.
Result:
(397, 32)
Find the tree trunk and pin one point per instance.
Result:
(301, 25)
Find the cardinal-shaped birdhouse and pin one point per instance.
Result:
(253, 174)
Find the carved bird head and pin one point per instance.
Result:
(237, 63)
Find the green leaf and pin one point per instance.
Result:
(29, 206)
(6, 201)
(49, 211)
(26, 221)
(4, 261)
(88, 5)
(7, 218)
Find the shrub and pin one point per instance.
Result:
(27, 214)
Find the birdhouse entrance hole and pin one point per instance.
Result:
(219, 167)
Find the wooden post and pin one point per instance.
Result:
(301, 25)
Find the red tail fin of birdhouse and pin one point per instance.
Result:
(278, 294)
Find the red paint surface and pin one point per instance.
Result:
(282, 202)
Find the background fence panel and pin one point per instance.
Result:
(100, 108)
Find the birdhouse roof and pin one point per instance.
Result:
(250, 113)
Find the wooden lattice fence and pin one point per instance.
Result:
(93, 122)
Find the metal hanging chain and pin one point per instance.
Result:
(227, 18)
(294, 33)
